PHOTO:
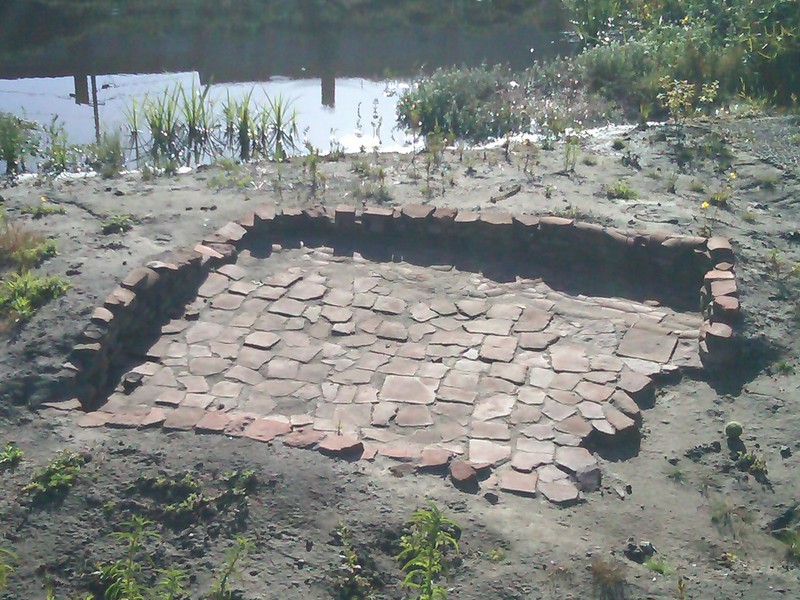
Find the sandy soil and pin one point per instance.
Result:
(302, 496)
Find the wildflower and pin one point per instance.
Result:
(43, 199)
(733, 175)
(705, 205)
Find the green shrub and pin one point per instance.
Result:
(474, 104)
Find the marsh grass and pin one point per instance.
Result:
(21, 248)
(199, 122)
(107, 157)
(730, 518)
(161, 118)
(608, 579)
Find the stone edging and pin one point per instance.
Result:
(161, 289)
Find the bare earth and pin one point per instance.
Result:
(302, 496)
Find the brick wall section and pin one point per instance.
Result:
(160, 290)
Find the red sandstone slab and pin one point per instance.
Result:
(646, 344)
(561, 493)
(407, 390)
(413, 416)
(213, 422)
(498, 348)
(532, 320)
(494, 407)
(266, 430)
(287, 307)
(94, 419)
(518, 483)
(485, 452)
(306, 438)
(388, 305)
(183, 419)
(490, 431)
(574, 459)
(570, 358)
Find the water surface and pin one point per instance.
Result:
(339, 60)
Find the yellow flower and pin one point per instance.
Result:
(733, 174)
(705, 205)
(44, 199)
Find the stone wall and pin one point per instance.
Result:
(132, 316)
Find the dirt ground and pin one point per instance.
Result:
(512, 548)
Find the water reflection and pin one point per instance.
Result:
(224, 44)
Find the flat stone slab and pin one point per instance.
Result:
(406, 390)
(647, 345)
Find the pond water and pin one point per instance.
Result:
(341, 62)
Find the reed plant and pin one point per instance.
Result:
(199, 122)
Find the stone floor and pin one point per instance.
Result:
(422, 364)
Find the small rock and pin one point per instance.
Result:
(588, 478)
(786, 452)
(463, 474)
(131, 381)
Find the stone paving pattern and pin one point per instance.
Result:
(428, 365)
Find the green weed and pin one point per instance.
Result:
(697, 186)
(6, 567)
(676, 474)
(57, 156)
(43, 209)
(10, 456)
(729, 517)
(22, 294)
(618, 144)
(659, 565)
(53, 481)
(350, 582)
(117, 224)
(220, 590)
(18, 140)
(571, 151)
(107, 156)
(791, 538)
(424, 555)
(230, 175)
(622, 190)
